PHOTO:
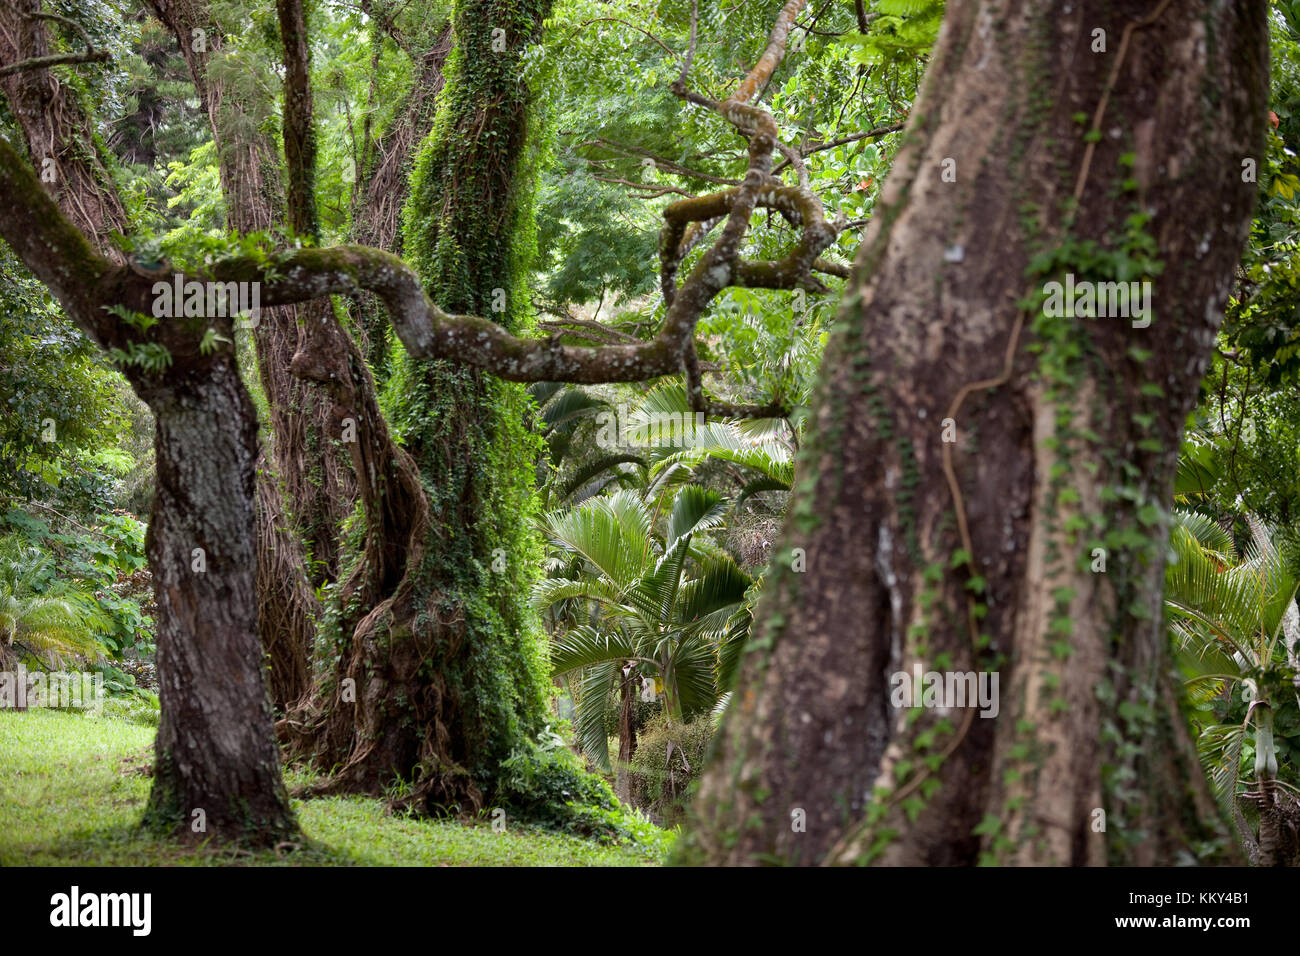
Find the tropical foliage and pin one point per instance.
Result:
(1236, 628)
(653, 597)
(42, 617)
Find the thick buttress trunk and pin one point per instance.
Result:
(983, 486)
(442, 656)
(394, 505)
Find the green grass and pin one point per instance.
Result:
(73, 787)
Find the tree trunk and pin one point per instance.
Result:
(448, 666)
(394, 506)
(215, 749)
(287, 609)
(631, 683)
(377, 213)
(305, 488)
(217, 764)
(984, 482)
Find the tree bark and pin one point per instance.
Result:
(1027, 156)
(377, 214)
(440, 649)
(215, 751)
(305, 484)
(628, 688)
(217, 764)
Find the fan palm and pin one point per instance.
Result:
(562, 410)
(660, 445)
(659, 603)
(1235, 628)
(40, 616)
(763, 448)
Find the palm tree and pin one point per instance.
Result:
(562, 411)
(40, 616)
(658, 604)
(1235, 628)
(761, 448)
(664, 446)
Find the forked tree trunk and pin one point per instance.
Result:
(1059, 462)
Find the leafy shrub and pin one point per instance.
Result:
(545, 784)
(107, 567)
(141, 708)
(660, 782)
(41, 616)
(119, 683)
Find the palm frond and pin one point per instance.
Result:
(593, 709)
(612, 533)
(695, 509)
(693, 673)
(584, 646)
(719, 584)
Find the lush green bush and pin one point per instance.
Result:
(545, 785)
(43, 618)
(660, 782)
(77, 597)
(139, 707)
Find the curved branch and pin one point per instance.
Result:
(87, 283)
(626, 24)
(761, 74)
(89, 55)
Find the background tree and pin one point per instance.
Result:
(448, 630)
(661, 602)
(304, 485)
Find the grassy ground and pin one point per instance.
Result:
(73, 786)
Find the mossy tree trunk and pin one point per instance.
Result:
(437, 640)
(1031, 544)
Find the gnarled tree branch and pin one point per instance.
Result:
(89, 55)
(56, 251)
